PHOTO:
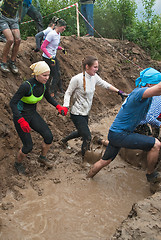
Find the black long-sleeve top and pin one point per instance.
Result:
(21, 109)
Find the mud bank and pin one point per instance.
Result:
(28, 205)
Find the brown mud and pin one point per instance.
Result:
(62, 203)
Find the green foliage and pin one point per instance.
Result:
(147, 33)
(48, 10)
(147, 37)
(112, 17)
(148, 4)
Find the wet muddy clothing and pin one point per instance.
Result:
(132, 112)
(28, 111)
(9, 8)
(82, 102)
(56, 81)
(51, 48)
(121, 133)
(21, 109)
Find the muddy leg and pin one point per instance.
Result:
(97, 167)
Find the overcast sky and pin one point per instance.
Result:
(157, 7)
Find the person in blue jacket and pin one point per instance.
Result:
(121, 133)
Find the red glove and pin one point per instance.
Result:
(65, 109)
(62, 110)
(24, 125)
(59, 108)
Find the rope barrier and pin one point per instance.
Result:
(52, 13)
(108, 42)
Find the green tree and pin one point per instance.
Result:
(147, 33)
(148, 14)
(111, 17)
(115, 19)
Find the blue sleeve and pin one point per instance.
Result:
(139, 93)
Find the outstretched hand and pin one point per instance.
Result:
(62, 110)
(65, 109)
(122, 94)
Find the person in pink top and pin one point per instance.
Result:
(49, 48)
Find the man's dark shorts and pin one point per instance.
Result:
(8, 23)
(126, 140)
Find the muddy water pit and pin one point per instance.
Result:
(86, 209)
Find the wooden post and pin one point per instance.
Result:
(78, 32)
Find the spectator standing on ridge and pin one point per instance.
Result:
(10, 28)
(87, 8)
(121, 133)
(49, 48)
(82, 89)
(25, 116)
(32, 12)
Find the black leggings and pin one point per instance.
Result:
(81, 124)
(56, 82)
(39, 125)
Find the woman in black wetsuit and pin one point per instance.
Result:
(25, 116)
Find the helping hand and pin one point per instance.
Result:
(65, 109)
(122, 94)
(62, 110)
(24, 125)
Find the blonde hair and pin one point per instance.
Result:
(89, 60)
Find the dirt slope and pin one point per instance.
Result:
(115, 68)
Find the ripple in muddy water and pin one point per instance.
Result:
(74, 210)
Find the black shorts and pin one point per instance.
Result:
(126, 140)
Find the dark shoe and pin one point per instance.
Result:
(44, 162)
(13, 67)
(64, 144)
(153, 177)
(20, 168)
(4, 67)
